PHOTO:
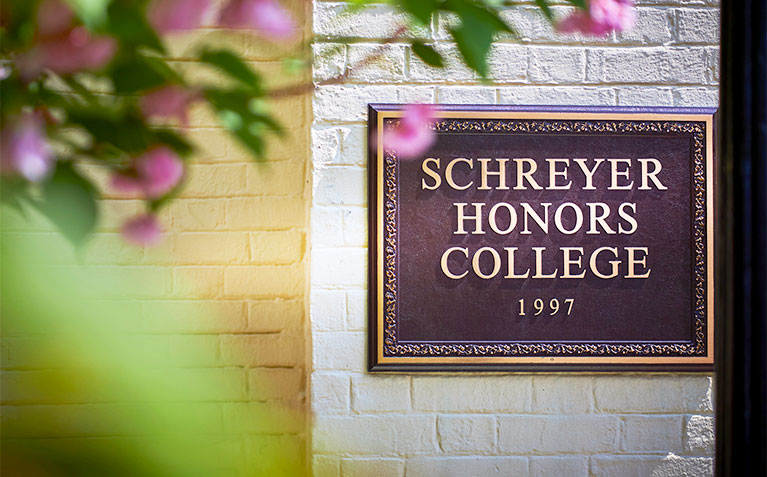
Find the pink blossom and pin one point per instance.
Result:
(602, 17)
(74, 51)
(142, 229)
(267, 17)
(24, 150)
(177, 15)
(413, 136)
(154, 174)
(53, 17)
(168, 102)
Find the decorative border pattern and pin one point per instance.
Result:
(697, 131)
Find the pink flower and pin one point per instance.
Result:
(168, 102)
(602, 17)
(142, 230)
(154, 174)
(413, 136)
(267, 17)
(74, 51)
(24, 150)
(177, 15)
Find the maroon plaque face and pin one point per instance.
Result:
(543, 238)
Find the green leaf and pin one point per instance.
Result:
(428, 54)
(422, 10)
(231, 64)
(545, 9)
(91, 12)
(128, 23)
(124, 130)
(243, 117)
(69, 201)
(475, 34)
(134, 73)
(175, 141)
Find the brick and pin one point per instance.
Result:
(326, 146)
(339, 267)
(377, 63)
(198, 282)
(330, 393)
(462, 466)
(219, 180)
(284, 281)
(476, 394)
(713, 65)
(559, 466)
(275, 315)
(669, 466)
(339, 350)
(214, 316)
(211, 145)
(328, 310)
(556, 435)
(373, 467)
(340, 186)
(261, 350)
(354, 138)
(454, 69)
(356, 310)
(653, 394)
(652, 27)
(349, 102)
(557, 65)
(355, 226)
(252, 213)
(207, 248)
(198, 214)
(326, 466)
(278, 248)
(282, 178)
(260, 417)
(371, 394)
(696, 97)
(508, 63)
(375, 22)
(652, 433)
(275, 383)
(644, 97)
(327, 227)
(677, 65)
(531, 26)
(412, 94)
(466, 434)
(390, 435)
(557, 95)
(466, 95)
(697, 25)
(562, 394)
(699, 435)
(328, 60)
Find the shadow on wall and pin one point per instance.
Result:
(89, 389)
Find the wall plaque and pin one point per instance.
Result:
(543, 238)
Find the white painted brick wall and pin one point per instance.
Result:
(477, 425)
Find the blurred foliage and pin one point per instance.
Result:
(86, 390)
(103, 104)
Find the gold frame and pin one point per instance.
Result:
(473, 114)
